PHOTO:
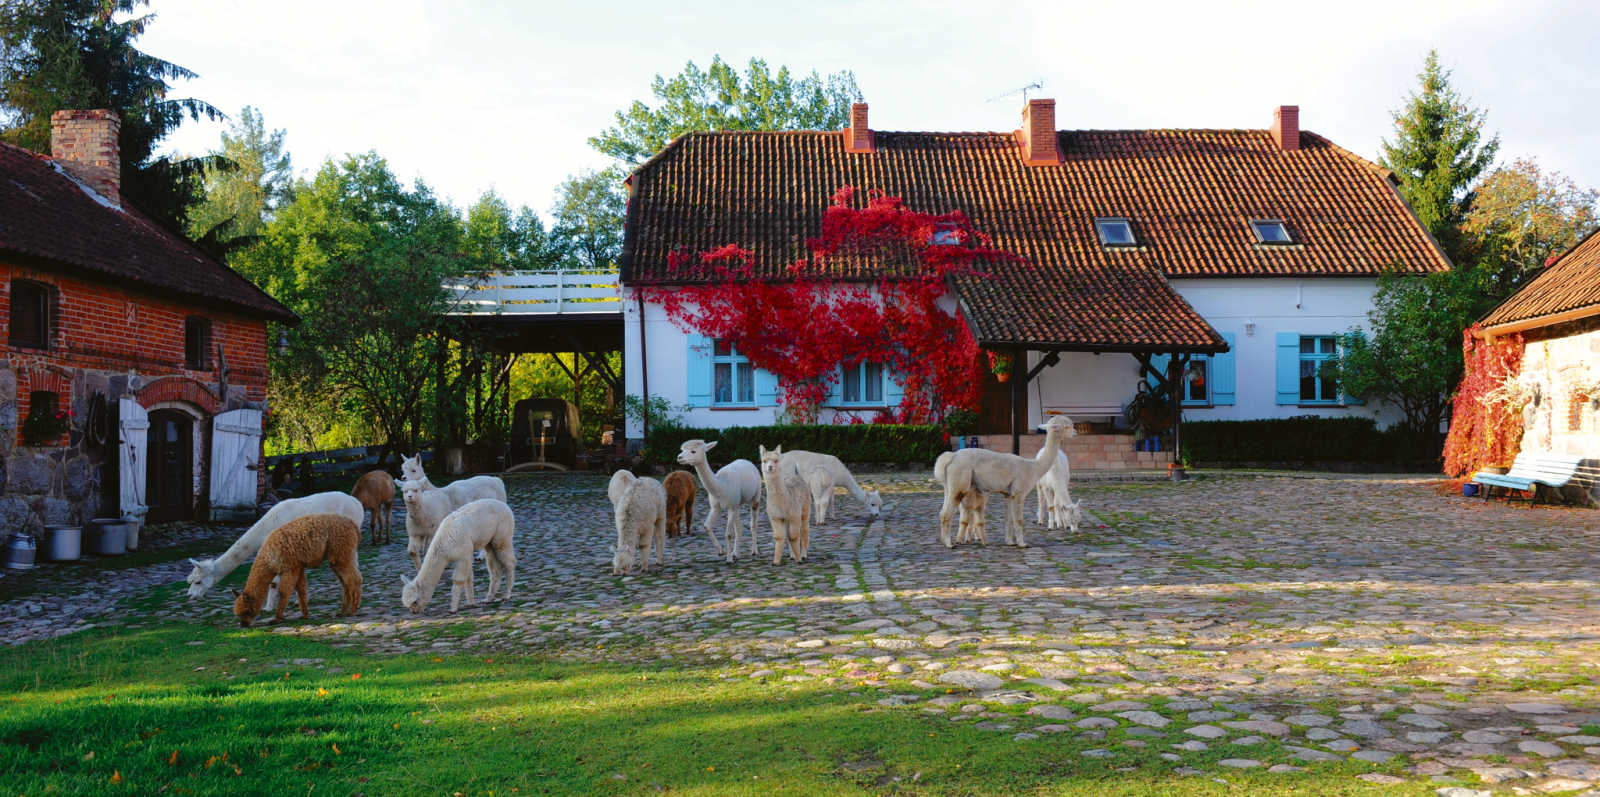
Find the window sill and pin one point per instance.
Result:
(1326, 406)
(733, 409)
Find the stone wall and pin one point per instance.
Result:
(1564, 371)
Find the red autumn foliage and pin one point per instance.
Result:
(802, 328)
(1480, 436)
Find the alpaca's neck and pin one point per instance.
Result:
(432, 570)
(844, 479)
(259, 581)
(1047, 455)
(714, 484)
(776, 487)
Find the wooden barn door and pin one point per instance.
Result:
(235, 449)
(169, 467)
(132, 425)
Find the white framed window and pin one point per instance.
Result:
(733, 378)
(1317, 385)
(1197, 381)
(1115, 232)
(861, 385)
(1270, 231)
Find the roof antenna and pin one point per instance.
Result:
(1037, 85)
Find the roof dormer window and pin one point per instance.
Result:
(1270, 231)
(945, 233)
(1115, 232)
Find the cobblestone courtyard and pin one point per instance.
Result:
(1288, 616)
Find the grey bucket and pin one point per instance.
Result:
(20, 550)
(62, 543)
(109, 536)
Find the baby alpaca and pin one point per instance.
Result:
(681, 491)
(425, 510)
(641, 518)
(788, 507)
(300, 544)
(1055, 501)
(821, 483)
(375, 491)
(486, 525)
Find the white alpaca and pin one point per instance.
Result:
(973, 525)
(209, 571)
(1055, 499)
(788, 507)
(821, 483)
(737, 485)
(641, 514)
(620, 482)
(483, 525)
(425, 510)
(802, 463)
(993, 472)
(461, 491)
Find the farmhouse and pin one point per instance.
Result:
(1221, 261)
(134, 375)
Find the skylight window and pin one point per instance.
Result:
(1270, 231)
(1115, 232)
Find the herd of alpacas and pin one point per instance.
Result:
(450, 525)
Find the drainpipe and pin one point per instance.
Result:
(644, 367)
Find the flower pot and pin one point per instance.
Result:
(1002, 378)
(1469, 489)
(1176, 472)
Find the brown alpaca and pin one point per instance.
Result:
(289, 550)
(681, 491)
(375, 491)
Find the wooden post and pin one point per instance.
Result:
(1017, 383)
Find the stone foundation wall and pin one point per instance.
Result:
(1565, 419)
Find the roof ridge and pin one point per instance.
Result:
(1354, 158)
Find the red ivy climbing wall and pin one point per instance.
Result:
(804, 327)
(1481, 436)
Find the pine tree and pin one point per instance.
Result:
(1438, 153)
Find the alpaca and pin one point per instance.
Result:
(641, 518)
(483, 525)
(292, 548)
(820, 480)
(681, 492)
(375, 491)
(788, 507)
(1055, 499)
(209, 571)
(461, 491)
(737, 485)
(1010, 475)
(620, 482)
(425, 510)
(803, 462)
(973, 524)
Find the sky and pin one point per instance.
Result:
(470, 96)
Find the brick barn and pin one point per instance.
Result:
(156, 349)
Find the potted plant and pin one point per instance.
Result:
(1149, 409)
(45, 426)
(1000, 366)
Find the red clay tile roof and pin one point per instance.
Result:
(48, 222)
(1571, 283)
(1190, 194)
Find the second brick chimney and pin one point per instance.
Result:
(1286, 127)
(858, 137)
(85, 144)
(1037, 137)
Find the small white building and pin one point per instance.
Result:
(1239, 252)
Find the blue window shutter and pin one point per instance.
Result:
(1222, 374)
(836, 390)
(766, 388)
(1288, 376)
(893, 393)
(1159, 363)
(699, 371)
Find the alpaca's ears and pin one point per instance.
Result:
(778, 450)
(709, 446)
(404, 582)
(195, 562)
(235, 592)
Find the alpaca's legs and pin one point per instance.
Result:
(946, 513)
(508, 565)
(661, 541)
(732, 533)
(755, 525)
(271, 601)
(779, 537)
(350, 584)
(711, 525)
(1014, 509)
(460, 581)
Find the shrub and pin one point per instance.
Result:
(859, 443)
(1306, 438)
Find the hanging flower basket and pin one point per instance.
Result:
(43, 428)
(1000, 366)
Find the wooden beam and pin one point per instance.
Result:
(1050, 361)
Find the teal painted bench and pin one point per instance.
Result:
(1530, 472)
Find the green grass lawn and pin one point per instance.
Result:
(147, 711)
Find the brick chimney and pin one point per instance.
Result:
(1038, 134)
(858, 137)
(1286, 127)
(85, 144)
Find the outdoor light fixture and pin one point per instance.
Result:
(1249, 327)
(283, 342)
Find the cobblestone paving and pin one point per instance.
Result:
(1283, 618)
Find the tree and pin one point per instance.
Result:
(239, 202)
(499, 238)
(76, 54)
(1438, 153)
(588, 217)
(717, 99)
(1522, 219)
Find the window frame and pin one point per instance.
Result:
(1255, 229)
(734, 360)
(861, 366)
(945, 233)
(203, 324)
(1099, 229)
(47, 315)
(1210, 375)
(1320, 358)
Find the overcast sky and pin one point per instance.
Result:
(472, 95)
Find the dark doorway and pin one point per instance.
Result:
(994, 415)
(169, 474)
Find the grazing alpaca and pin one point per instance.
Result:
(297, 545)
(208, 572)
(461, 491)
(425, 510)
(803, 462)
(973, 524)
(737, 485)
(375, 491)
(788, 507)
(641, 518)
(482, 525)
(1055, 500)
(1010, 475)
(620, 482)
(681, 491)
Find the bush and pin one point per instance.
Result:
(1306, 438)
(862, 443)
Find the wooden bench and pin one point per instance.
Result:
(1530, 472)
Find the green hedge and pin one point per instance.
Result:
(861, 443)
(1306, 438)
